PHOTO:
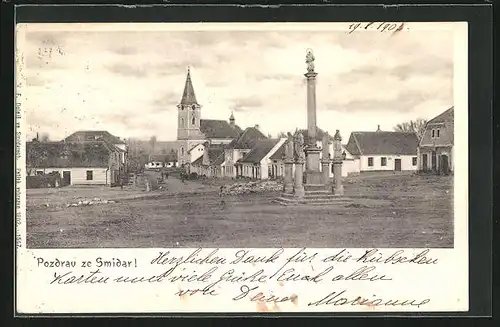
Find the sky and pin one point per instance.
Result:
(129, 82)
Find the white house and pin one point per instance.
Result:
(384, 151)
(257, 162)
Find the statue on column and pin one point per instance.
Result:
(289, 146)
(299, 146)
(310, 61)
(326, 146)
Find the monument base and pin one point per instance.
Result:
(319, 197)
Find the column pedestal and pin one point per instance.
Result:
(313, 173)
(337, 176)
(325, 171)
(298, 189)
(288, 178)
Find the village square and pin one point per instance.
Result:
(223, 183)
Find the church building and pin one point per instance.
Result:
(192, 130)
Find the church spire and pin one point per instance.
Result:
(188, 97)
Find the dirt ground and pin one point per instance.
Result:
(388, 211)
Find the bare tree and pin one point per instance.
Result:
(416, 126)
(281, 135)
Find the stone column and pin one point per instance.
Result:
(288, 162)
(298, 186)
(313, 176)
(337, 164)
(325, 161)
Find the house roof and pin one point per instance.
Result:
(380, 143)
(193, 147)
(218, 129)
(67, 155)
(278, 155)
(259, 151)
(215, 156)
(188, 96)
(446, 116)
(247, 139)
(80, 136)
(162, 157)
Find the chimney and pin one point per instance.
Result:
(378, 128)
(257, 127)
(37, 138)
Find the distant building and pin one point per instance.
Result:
(435, 150)
(211, 162)
(160, 161)
(240, 147)
(193, 130)
(78, 163)
(384, 151)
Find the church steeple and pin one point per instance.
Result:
(231, 119)
(188, 97)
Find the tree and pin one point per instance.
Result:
(45, 137)
(281, 135)
(416, 126)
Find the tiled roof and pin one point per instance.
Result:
(215, 156)
(93, 136)
(380, 143)
(278, 155)
(247, 139)
(446, 116)
(67, 155)
(163, 157)
(188, 96)
(261, 149)
(218, 129)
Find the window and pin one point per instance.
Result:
(193, 106)
(39, 172)
(90, 175)
(193, 121)
(432, 133)
(437, 133)
(182, 151)
(414, 161)
(370, 161)
(383, 161)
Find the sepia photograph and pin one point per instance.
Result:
(223, 136)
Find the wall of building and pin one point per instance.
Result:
(100, 176)
(439, 151)
(406, 163)
(220, 141)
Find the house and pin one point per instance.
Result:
(193, 130)
(239, 147)
(257, 162)
(211, 163)
(384, 151)
(82, 163)
(160, 161)
(435, 150)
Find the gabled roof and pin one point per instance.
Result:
(218, 129)
(446, 116)
(278, 155)
(215, 156)
(193, 147)
(81, 136)
(67, 155)
(188, 96)
(382, 143)
(259, 151)
(247, 139)
(162, 157)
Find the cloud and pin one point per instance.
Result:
(36, 80)
(244, 104)
(127, 70)
(124, 50)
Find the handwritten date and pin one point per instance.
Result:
(378, 27)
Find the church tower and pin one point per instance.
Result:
(188, 121)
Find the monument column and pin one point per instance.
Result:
(337, 164)
(313, 173)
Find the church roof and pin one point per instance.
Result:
(188, 96)
(218, 129)
(247, 139)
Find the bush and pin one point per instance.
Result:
(43, 181)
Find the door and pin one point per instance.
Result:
(444, 164)
(397, 164)
(424, 162)
(66, 178)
